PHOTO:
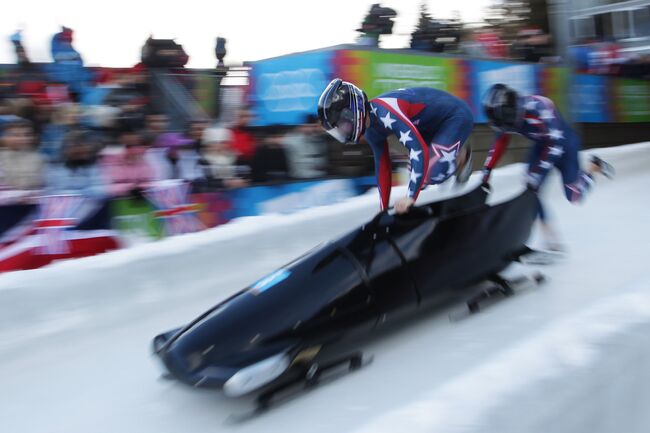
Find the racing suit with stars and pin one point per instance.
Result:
(555, 144)
(432, 124)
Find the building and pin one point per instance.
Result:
(626, 22)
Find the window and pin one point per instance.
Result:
(621, 24)
(603, 26)
(583, 28)
(641, 20)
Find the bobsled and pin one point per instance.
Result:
(313, 310)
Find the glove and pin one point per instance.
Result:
(486, 175)
(531, 187)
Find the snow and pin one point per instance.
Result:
(75, 336)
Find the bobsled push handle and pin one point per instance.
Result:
(390, 211)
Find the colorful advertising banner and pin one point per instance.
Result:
(379, 72)
(288, 87)
(631, 100)
(553, 82)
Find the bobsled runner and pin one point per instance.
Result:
(306, 317)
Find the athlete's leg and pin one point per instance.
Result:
(445, 145)
(576, 182)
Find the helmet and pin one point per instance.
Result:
(342, 111)
(502, 107)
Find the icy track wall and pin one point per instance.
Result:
(587, 373)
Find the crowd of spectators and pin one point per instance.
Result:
(65, 149)
(102, 136)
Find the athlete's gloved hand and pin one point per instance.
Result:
(403, 204)
(531, 187)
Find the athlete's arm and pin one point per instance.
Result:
(495, 153)
(383, 170)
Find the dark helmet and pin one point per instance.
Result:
(342, 111)
(502, 107)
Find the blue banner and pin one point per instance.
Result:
(286, 89)
(589, 98)
(485, 73)
(291, 197)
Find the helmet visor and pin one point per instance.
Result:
(343, 128)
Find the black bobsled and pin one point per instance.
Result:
(307, 312)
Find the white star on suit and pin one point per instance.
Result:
(531, 104)
(373, 109)
(533, 121)
(545, 164)
(414, 155)
(449, 157)
(405, 137)
(440, 177)
(555, 150)
(556, 134)
(387, 121)
(415, 176)
(546, 115)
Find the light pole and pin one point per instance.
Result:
(559, 11)
(220, 72)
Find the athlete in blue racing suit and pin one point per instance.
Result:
(433, 125)
(555, 144)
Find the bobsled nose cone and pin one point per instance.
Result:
(256, 375)
(160, 341)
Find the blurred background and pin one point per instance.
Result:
(126, 124)
(175, 118)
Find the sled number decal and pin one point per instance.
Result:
(270, 281)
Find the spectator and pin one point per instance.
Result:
(270, 161)
(243, 142)
(20, 164)
(532, 45)
(128, 98)
(175, 158)
(155, 124)
(68, 66)
(79, 173)
(196, 132)
(64, 119)
(219, 161)
(128, 172)
(306, 151)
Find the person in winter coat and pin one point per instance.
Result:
(128, 172)
(79, 173)
(21, 167)
(220, 163)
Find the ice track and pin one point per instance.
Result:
(75, 336)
